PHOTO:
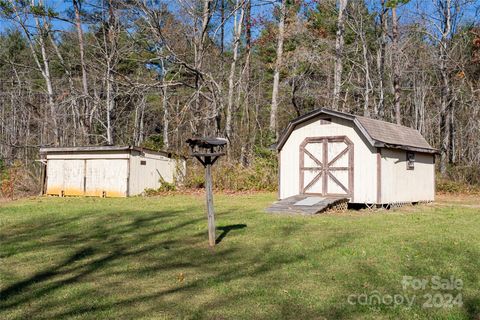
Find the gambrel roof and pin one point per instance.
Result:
(380, 134)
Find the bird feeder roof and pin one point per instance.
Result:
(207, 142)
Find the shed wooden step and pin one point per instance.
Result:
(305, 204)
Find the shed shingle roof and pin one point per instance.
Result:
(378, 133)
(391, 133)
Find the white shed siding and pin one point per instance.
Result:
(148, 175)
(402, 185)
(91, 177)
(107, 177)
(115, 173)
(365, 163)
(65, 176)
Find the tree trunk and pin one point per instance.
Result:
(48, 80)
(339, 44)
(278, 65)
(138, 133)
(396, 67)
(199, 55)
(419, 102)
(246, 148)
(110, 102)
(166, 142)
(452, 147)
(81, 48)
(110, 53)
(366, 65)
(222, 29)
(380, 112)
(237, 32)
(68, 74)
(445, 88)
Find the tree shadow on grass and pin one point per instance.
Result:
(226, 229)
(44, 275)
(99, 243)
(158, 245)
(153, 244)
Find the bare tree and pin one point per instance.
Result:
(166, 140)
(86, 124)
(396, 65)
(237, 32)
(110, 38)
(200, 40)
(246, 115)
(278, 65)
(339, 44)
(44, 65)
(381, 59)
(445, 9)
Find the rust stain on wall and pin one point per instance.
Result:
(108, 193)
(55, 190)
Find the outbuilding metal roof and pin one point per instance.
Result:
(379, 133)
(49, 150)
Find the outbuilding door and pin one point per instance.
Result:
(326, 166)
(65, 177)
(90, 177)
(106, 177)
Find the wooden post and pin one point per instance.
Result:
(207, 151)
(209, 194)
(43, 178)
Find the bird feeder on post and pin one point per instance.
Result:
(207, 151)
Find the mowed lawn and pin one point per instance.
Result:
(148, 258)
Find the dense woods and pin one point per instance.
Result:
(154, 73)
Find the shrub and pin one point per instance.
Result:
(18, 180)
(451, 186)
(154, 142)
(164, 187)
(460, 179)
(262, 174)
(465, 174)
(7, 185)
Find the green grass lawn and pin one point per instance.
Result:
(148, 258)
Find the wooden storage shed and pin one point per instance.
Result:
(110, 171)
(335, 154)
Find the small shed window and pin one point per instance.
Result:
(325, 121)
(410, 160)
(143, 162)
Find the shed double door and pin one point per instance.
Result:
(65, 177)
(106, 177)
(90, 177)
(326, 166)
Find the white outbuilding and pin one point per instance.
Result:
(334, 154)
(108, 171)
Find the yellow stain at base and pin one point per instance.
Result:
(73, 192)
(57, 191)
(108, 193)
